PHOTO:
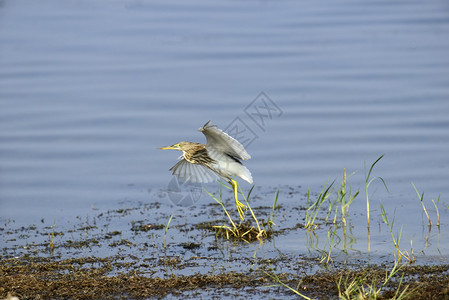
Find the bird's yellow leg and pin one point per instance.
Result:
(240, 206)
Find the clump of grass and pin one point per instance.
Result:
(261, 232)
(400, 254)
(361, 287)
(244, 231)
(365, 284)
(342, 202)
(368, 181)
(345, 198)
(313, 209)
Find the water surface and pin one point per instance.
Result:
(90, 89)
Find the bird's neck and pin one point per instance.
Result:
(189, 156)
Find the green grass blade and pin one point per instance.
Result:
(420, 196)
(274, 207)
(372, 166)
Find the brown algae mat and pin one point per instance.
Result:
(38, 278)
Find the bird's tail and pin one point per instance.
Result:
(246, 175)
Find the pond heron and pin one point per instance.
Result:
(220, 157)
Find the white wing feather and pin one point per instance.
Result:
(222, 142)
(189, 172)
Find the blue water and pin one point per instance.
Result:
(90, 89)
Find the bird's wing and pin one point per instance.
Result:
(222, 142)
(189, 172)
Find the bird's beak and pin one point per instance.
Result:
(166, 148)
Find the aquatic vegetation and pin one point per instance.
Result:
(326, 255)
(437, 210)
(219, 200)
(361, 286)
(366, 283)
(167, 224)
(344, 198)
(51, 237)
(313, 209)
(340, 202)
(275, 277)
(368, 181)
(400, 254)
(244, 231)
(270, 220)
(421, 198)
(261, 232)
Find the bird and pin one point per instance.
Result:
(220, 157)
